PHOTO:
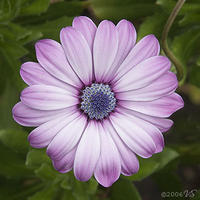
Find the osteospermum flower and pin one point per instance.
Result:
(98, 99)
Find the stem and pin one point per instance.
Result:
(176, 62)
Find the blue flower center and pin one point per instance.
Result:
(98, 101)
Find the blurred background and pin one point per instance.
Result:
(27, 173)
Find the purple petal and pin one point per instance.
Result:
(65, 164)
(108, 167)
(33, 74)
(88, 152)
(45, 97)
(51, 56)
(31, 117)
(105, 49)
(42, 135)
(134, 136)
(150, 129)
(162, 124)
(67, 138)
(147, 47)
(162, 107)
(129, 161)
(127, 38)
(163, 86)
(78, 53)
(87, 27)
(143, 74)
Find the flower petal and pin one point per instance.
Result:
(147, 47)
(143, 74)
(127, 38)
(78, 53)
(34, 74)
(67, 138)
(87, 27)
(129, 161)
(108, 167)
(162, 107)
(105, 49)
(162, 124)
(42, 135)
(87, 153)
(133, 135)
(45, 97)
(163, 86)
(150, 129)
(65, 164)
(51, 56)
(27, 116)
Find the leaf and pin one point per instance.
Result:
(79, 190)
(190, 18)
(15, 140)
(55, 11)
(12, 165)
(48, 193)
(67, 195)
(9, 9)
(35, 7)
(153, 164)
(7, 101)
(184, 50)
(124, 189)
(46, 172)
(152, 25)
(51, 29)
(9, 57)
(128, 9)
(188, 7)
(35, 158)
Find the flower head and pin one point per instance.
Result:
(98, 99)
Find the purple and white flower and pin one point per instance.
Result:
(98, 99)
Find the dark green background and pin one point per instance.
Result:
(27, 173)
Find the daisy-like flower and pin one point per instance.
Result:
(98, 99)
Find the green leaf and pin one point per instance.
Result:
(9, 57)
(147, 167)
(55, 11)
(12, 165)
(79, 190)
(9, 9)
(188, 7)
(124, 189)
(190, 18)
(48, 193)
(152, 25)
(184, 50)
(46, 172)
(51, 29)
(35, 158)
(7, 101)
(153, 164)
(15, 139)
(67, 195)
(128, 9)
(35, 7)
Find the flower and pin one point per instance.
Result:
(98, 99)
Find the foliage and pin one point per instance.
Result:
(27, 173)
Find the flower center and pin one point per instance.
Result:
(98, 101)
